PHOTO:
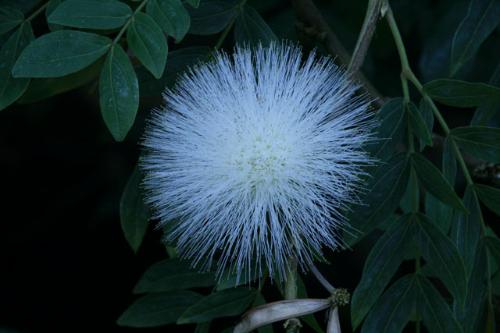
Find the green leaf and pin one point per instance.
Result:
(495, 282)
(40, 89)
(225, 303)
(485, 113)
(134, 215)
(419, 125)
(436, 313)
(481, 142)
(381, 264)
(10, 88)
(91, 14)
(461, 93)
(145, 38)
(386, 188)
(118, 93)
(472, 316)
(212, 16)
(172, 274)
(493, 245)
(440, 213)
(51, 6)
(158, 309)
(425, 111)
(252, 29)
(482, 18)
(194, 3)
(25, 6)
(440, 252)
(489, 196)
(411, 194)
(434, 55)
(171, 16)
(233, 278)
(391, 130)
(466, 229)
(9, 19)
(393, 310)
(60, 53)
(434, 182)
(449, 162)
(202, 328)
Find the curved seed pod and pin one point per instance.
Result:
(333, 321)
(278, 311)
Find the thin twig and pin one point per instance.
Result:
(310, 16)
(365, 36)
(333, 321)
(408, 73)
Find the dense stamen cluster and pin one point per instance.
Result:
(256, 156)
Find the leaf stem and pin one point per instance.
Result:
(408, 73)
(130, 19)
(36, 12)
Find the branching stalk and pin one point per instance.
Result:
(130, 19)
(410, 76)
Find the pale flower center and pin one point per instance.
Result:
(261, 157)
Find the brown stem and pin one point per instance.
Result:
(365, 36)
(312, 23)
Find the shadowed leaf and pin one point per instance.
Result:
(212, 16)
(12, 88)
(393, 310)
(436, 313)
(158, 309)
(483, 16)
(225, 303)
(134, 215)
(434, 182)
(252, 29)
(461, 93)
(382, 262)
(481, 142)
(440, 252)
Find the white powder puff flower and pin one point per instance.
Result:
(255, 157)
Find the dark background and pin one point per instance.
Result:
(65, 265)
